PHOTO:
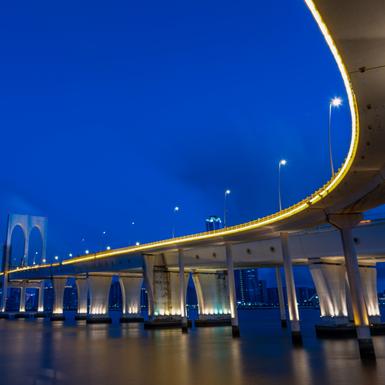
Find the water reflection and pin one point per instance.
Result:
(47, 371)
(302, 369)
(343, 364)
(43, 352)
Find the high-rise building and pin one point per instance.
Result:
(262, 295)
(272, 296)
(213, 222)
(248, 287)
(305, 295)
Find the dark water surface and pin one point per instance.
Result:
(43, 352)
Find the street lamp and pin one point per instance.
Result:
(227, 192)
(83, 243)
(104, 239)
(176, 210)
(335, 102)
(132, 233)
(281, 163)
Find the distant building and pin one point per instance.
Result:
(248, 289)
(213, 223)
(272, 296)
(305, 295)
(262, 294)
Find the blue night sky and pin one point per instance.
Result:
(113, 112)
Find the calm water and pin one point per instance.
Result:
(44, 352)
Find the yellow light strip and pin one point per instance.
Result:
(20, 269)
(281, 215)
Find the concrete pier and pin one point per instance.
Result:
(291, 294)
(58, 284)
(281, 298)
(345, 223)
(182, 291)
(329, 281)
(82, 289)
(99, 290)
(163, 290)
(213, 298)
(131, 286)
(232, 293)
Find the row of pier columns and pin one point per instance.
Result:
(93, 297)
(341, 289)
(338, 291)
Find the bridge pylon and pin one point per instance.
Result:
(27, 223)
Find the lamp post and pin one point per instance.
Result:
(104, 239)
(83, 244)
(176, 210)
(335, 102)
(281, 163)
(132, 232)
(227, 193)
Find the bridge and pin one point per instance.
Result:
(355, 34)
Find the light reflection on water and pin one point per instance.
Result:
(40, 352)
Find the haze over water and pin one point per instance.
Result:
(43, 352)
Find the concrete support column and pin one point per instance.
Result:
(58, 284)
(163, 288)
(82, 288)
(22, 300)
(131, 287)
(99, 288)
(290, 288)
(368, 275)
(148, 275)
(281, 298)
(231, 289)
(4, 296)
(40, 303)
(213, 298)
(345, 223)
(182, 292)
(329, 281)
(6, 254)
(348, 299)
